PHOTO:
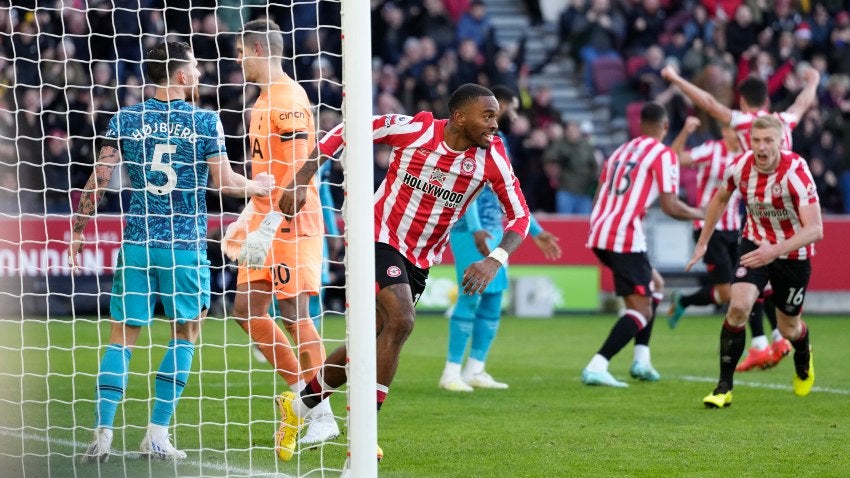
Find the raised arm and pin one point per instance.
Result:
(691, 125)
(701, 98)
(807, 97)
(107, 159)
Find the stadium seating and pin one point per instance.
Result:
(607, 72)
(633, 118)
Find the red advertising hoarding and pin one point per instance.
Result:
(37, 246)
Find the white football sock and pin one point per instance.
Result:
(759, 343)
(473, 367)
(598, 364)
(642, 353)
(157, 432)
(452, 369)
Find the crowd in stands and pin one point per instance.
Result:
(66, 67)
(717, 44)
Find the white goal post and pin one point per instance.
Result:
(357, 84)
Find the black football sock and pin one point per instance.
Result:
(802, 353)
(312, 393)
(704, 296)
(732, 340)
(624, 330)
(756, 322)
(770, 311)
(642, 336)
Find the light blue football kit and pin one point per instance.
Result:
(474, 315)
(165, 147)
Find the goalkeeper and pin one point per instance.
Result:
(170, 148)
(279, 256)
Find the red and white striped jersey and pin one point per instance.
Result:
(742, 123)
(429, 186)
(713, 160)
(629, 183)
(774, 200)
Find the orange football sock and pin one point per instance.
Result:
(274, 345)
(311, 350)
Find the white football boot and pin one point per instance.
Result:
(100, 447)
(321, 425)
(453, 382)
(483, 379)
(157, 444)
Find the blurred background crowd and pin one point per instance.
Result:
(67, 66)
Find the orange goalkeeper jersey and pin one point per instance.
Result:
(282, 135)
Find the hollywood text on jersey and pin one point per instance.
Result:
(450, 198)
(769, 213)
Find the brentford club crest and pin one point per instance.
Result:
(741, 272)
(776, 190)
(467, 166)
(811, 190)
(393, 271)
(437, 177)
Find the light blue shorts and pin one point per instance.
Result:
(180, 279)
(465, 253)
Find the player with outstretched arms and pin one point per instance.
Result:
(437, 168)
(783, 222)
(170, 149)
(754, 103)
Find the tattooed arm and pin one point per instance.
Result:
(92, 194)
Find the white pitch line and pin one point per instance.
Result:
(772, 386)
(229, 470)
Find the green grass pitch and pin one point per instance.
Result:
(546, 425)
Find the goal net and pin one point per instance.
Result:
(65, 69)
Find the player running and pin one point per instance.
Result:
(782, 224)
(632, 178)
(713, 159)
(437, 168)
(170, 148)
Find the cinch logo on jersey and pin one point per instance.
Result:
(763, 212)
(291, 114)
(450, 198)
(173, 130)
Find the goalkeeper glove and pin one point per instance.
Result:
(258, 243)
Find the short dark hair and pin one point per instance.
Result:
(653, 114)
(164, 59)
(466, 94)
(503, 93)
(267, 31)
(754, 90)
